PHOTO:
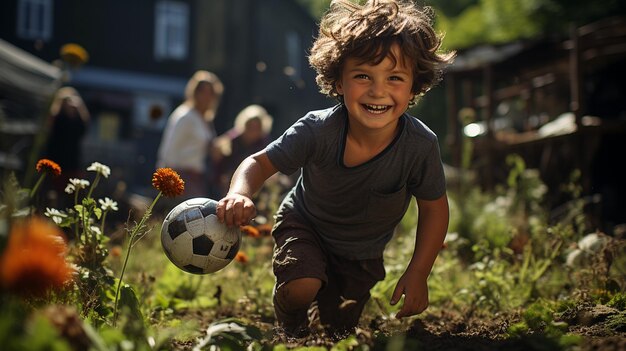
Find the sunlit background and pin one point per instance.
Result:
(531, 120)
(541, 78)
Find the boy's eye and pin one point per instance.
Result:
(396, 78)
(361, 76)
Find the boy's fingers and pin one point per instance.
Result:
(404, 312)
(241, 210)
(219, 211)
(235, 210)
(229, 213)
(397, 294)
(249, 212)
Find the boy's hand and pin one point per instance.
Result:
(235, 210)
(415, 290)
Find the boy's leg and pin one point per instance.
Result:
(342, 300)
(299, 266)
(291, 303)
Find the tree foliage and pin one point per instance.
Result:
(315, 7)
(495, 21)
(468, 23)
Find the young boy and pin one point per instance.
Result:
(360, 162)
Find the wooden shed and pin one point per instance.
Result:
(559, 103)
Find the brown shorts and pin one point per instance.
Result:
(299, 253)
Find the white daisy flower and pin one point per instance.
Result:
(70, 188)
(107, 204)
(592, 242)
(79, 183)
(100, 168)
(95, 230)
(56, 215)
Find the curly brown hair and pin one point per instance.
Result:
(367, 32)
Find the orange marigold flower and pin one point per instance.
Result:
(167, 181)
(116, 251)
(265, 229)
(241, 257)
(250, 231)
(45, 165)
(33, 261)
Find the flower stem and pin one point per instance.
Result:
(76, 216)
(93, 186)
(133, 235)
(104, 216)
(36, 187)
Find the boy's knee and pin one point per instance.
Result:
(298, 293)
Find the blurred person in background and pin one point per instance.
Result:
(67, 125)
(189, 132)
(251, 133)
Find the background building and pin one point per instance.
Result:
(141, 54)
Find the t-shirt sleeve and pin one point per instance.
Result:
(429, 181)
(294, 148)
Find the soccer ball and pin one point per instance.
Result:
(195, 240)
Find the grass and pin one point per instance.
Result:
(501, 282)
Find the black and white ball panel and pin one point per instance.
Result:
(194, 239)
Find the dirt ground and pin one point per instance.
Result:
(449, 331)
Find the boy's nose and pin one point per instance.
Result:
(377, 89)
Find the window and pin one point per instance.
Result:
(171, 30)
(34, 19)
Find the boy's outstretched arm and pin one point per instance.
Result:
(237, 208)
(432, 226)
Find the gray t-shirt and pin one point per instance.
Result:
(355, 210)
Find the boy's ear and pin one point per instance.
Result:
(339, 87)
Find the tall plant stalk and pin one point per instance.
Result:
(131, 242)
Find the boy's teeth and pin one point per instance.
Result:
(376, 108)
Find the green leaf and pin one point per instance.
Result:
(89, 202)
(21, 213)
(41, 335)
(97, 343)
(129, 299)
(346, 344)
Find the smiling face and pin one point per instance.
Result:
(376, 95)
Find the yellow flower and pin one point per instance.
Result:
(33, 261)
(167, 181)
(49, 166)
(74, 54)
